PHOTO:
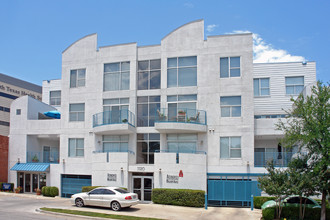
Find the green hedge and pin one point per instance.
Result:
(89, 188)
(11, 186)
(293, 213)
(258, 201)
(179, 197)
(50, 191)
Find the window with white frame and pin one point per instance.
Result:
(116, 76)
(294, 85)
(261, 87)
(230, 67)
(147, 145)
(181, 71)
(77, 112)
(146, 110)
(182, 143)
(230, 147)
(76, 147)
(230, 106)
(115, 143)
(77, 78)
(149, 74)
(115, 110)
(55, 97)
(186, 103)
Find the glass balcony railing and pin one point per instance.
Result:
(281, 159)
(114, 151)
(184, 151)
(42, 157)
(123, 116)
(181, 115)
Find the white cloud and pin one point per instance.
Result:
(265, 53)
(211, 27)
(188, 5)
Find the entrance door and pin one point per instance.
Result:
(142, 186)
(27, 182)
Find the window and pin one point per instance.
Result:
(294, 85)
(147, 144)
(181, 71)
(55, 97)
(18, 111)
(149, 74)
(261, 87)
(230, 67)
(116, 76)
(115, 143)
(76, 147)
(269, 116)
(77, 112)
(230, 147)
(146, 110)
(5, 109)
(230, 106)
(182, 143)
(186, 103)
(77, 78)
(115, 110)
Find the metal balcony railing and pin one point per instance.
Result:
(42, 157)
(281, 159)
(123, 116)
(181, 115)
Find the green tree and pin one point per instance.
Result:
(275, 183)
(301, 181)
(307, 126)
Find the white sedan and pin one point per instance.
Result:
(113, 197)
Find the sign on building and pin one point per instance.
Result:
(112, 177)
(172, 179)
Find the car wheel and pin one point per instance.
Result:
(79, 202)
(115, 206)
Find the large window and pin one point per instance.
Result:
(230, 67)
(230, 106)
(294, 85)
(77, 112)
(55, 97)
(261, 87)
(149, 74)
(76, 147)
(115, 109)
(185, 103)
(77, 78)
(146, 110)
(147, 144)
(230, 147)
(182, 143)
(181, 71)
(115, 143)
(116, 76)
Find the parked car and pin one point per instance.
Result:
(113, 197)
(293, 201)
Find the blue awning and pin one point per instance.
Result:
(35, 167)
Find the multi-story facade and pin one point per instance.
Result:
(190, 113)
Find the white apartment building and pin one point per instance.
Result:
(189, 113)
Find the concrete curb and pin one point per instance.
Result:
(69, 215)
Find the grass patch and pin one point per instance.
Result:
(96, 214)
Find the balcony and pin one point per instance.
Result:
(174, 120)
(114, 122)
(281, 159)
(42, 157)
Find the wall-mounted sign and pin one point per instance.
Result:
(180, 173)
(172, 179)
(141, 168)
(112, 177)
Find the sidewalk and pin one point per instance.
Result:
(161, 211)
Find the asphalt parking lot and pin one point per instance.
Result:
(141, 210)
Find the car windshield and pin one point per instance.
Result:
(121, 191)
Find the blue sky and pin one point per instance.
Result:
(33, 34)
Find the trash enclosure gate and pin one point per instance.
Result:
(231, 190)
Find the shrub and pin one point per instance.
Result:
(53, 191)
(179, 197)
(88, 188)
(293, 213)
(268, 213)
(258, 201)
(50, 191)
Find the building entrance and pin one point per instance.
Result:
(142, 185)
(30, 182)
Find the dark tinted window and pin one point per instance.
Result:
(108, 192)
(294, 200)
(96, 192)
(121, 191)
